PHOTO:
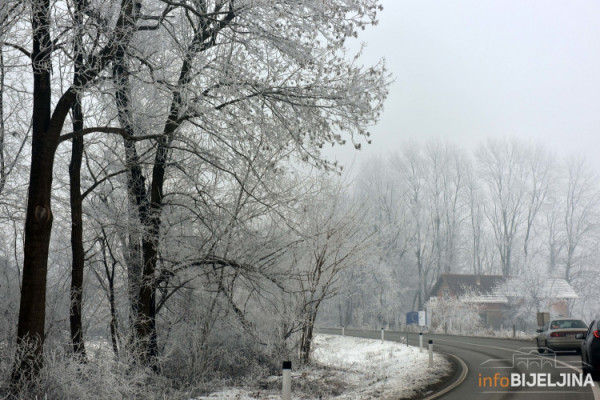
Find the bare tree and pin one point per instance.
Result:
(539, 177)
(333, 240)
(581, 213)
(501, 164)
(48, 121)
(446, 186)
(381, 289)
(217, 101)
(476, 221)
(412, 170)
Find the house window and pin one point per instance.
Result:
(483, 318)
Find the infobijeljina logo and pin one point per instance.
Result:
(543, 372)
(540, 380)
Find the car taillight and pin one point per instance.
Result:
(555, 334)
(597, 334)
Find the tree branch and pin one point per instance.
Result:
(20, 48)
(107, 129)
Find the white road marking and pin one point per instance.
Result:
(460, 379)
(595, 388)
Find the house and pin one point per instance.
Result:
(552, 294)
(478, 290)
(493, 296)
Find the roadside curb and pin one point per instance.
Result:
(461, 378)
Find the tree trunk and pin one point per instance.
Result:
(46, 129)
(307, 338)
(76, 200)
(2, 162)
(136, 182)
(110, 276)
(145, 326)
(38, 222)
(77, 234)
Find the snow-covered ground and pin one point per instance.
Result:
(354, 368)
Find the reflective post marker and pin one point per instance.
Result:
(420, 342)
(430, 353)
(287, 381)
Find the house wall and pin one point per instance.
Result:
(559, 309)
(494, 314)
(440, 292)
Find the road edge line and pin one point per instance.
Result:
(595, 389)
(461, 378)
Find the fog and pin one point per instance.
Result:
(468, 70)
(170, 227)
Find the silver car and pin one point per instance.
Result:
(559, 334)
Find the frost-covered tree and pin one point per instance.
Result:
(240, 75)
(581, 208)
(333, 241)
(210, 81)
(502, 166)
(48, 119)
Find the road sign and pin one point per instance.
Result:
(422, 318)
(412, 317)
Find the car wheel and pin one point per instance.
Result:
(541, 350)
(578, 351)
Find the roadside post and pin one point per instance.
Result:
(420, 342)
(430, 353)
(287, 381)
(343, 333)
(382, 335)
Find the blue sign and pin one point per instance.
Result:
(412, 317)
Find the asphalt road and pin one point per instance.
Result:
(491, 357)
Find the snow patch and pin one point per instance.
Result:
(355, 368)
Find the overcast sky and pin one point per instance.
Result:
(466, 70)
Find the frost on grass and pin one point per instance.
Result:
(352, 368)
(382, 370)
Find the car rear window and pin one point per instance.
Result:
(567, 323)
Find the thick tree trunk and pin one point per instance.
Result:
(76, 234)
(146, 321)
(76, 200)
(38, 223)
(2, 163)
(145, 326)
(46, 129)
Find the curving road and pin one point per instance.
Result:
(492, 357)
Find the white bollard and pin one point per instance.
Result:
(343, 333)
(421, 342)
(381, 335)
(287, 381)
(430, 353)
